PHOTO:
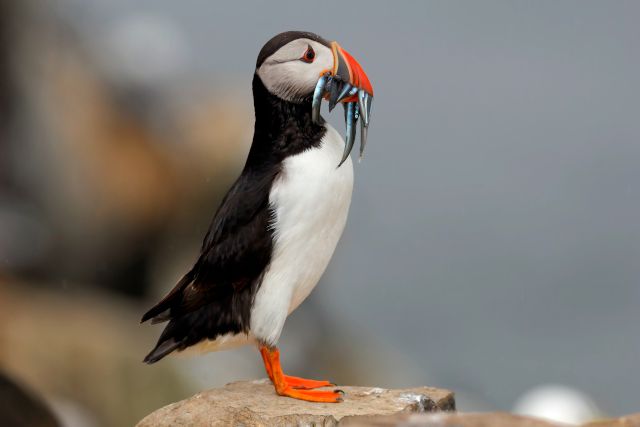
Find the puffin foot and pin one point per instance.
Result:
(320, 396)
(295, 387)
(305, 384)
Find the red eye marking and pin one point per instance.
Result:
(309, 55)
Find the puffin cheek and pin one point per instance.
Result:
(304, 80)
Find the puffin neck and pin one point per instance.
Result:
(282, 128)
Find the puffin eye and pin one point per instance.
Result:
(309, 55)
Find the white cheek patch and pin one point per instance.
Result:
(291, 79)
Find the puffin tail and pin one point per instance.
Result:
(161, 311)
(161, 349)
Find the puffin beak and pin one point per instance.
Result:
(348, 84)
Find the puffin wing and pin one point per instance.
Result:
(214, 297)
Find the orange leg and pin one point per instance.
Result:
(267, 362)
(295, 387)
(294, 382)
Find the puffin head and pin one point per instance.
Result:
(302, 67)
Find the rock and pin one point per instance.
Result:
(627, 421)
(489, 419)
(254, 403)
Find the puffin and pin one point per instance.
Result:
(276, 229)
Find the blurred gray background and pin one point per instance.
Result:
(493, 243)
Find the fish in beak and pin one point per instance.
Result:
(348, 84)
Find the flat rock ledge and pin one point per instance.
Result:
(254, 403)
(487, 419)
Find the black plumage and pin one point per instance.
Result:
(215, 297)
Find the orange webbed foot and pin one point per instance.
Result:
(295, 387)
(320, 396)
(305, 384)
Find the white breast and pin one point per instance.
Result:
(310, 199)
